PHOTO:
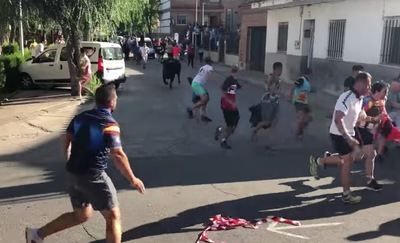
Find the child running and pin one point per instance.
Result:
(300, 94)
(229, 108)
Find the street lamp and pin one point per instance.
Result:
(21, 29)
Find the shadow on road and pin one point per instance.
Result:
(391, 228)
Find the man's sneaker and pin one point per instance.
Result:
(206, 119)
(217, 133)
(225, 145)
(190, 113)
(313, 166)
(350, 199)
(374, 186)
(31, 236)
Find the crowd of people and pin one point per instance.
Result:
(364, 119)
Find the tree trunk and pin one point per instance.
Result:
(73, 50)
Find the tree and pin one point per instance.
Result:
(73, 16)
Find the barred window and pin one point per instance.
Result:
(336, 38)
(283, 36)
(391, 38)
(181, 20)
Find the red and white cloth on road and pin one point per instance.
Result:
(218, 222)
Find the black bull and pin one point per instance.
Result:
(171, 68)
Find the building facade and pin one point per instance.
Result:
(324, 39)
(177, 15)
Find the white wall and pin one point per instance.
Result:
(363, 34)
(291, 15)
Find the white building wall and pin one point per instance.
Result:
(290, 15)
(363, 34)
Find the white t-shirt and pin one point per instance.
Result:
(38, 50)
(144, 50)
(203, 74)
(351, 106)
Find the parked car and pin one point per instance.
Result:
(51, 67)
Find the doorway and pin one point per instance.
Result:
(308, 46)
(256, 37)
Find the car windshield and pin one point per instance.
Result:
(112, 53)
(149, 44)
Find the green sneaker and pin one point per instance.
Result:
(313, 166)
(350, 199)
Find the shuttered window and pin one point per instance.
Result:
(336, 38)
(391, 41)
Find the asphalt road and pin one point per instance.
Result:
(190, 178)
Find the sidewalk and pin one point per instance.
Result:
(34, 115)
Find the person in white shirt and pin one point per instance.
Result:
(348, 111)
(199, 90)
(39, 49)
(144, 51)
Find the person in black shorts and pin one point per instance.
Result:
(373, 106)
(90, 138)
(229, 108)
(347, 113)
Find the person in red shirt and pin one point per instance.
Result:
(229, 108)
(176, 51)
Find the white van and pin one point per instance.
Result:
(51, 67)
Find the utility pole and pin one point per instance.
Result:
(202, 15)
(197, 6)
(21, 28)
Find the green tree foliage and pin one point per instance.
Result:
(81, 19)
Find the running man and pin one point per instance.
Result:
(272, 87)
(198, 89)
(144, 51)
(229, 108)
(346, 114)
(90, 138)
(300, 94)
(373, 106)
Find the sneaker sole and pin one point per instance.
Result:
(373, 189)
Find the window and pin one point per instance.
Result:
(112, 53)
(391, 39)
(181, 20)
(47, 56)
(283, 36)
(336, 38)
(64, 56)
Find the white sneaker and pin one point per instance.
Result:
(32, 236)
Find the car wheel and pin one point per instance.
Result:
(26, 81)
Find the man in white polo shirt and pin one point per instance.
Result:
(347, 112)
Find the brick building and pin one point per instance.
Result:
(177, 15)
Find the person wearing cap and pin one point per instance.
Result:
(300, 95)
(229, 108)
(199, 90)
